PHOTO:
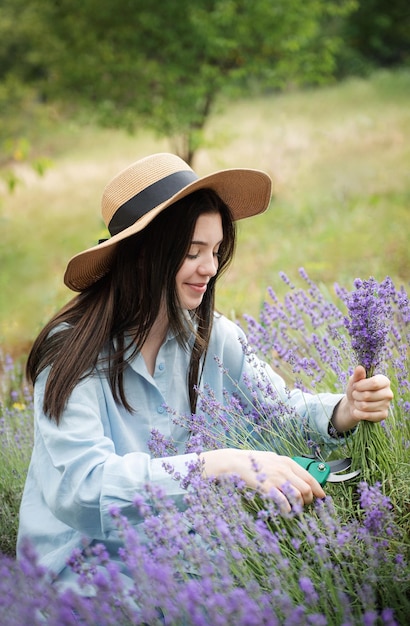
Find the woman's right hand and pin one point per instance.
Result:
(279, 473)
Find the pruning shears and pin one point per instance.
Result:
(328, 471)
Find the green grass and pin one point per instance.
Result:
(16, 429)
(339, 157)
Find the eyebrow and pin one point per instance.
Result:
(198, 242)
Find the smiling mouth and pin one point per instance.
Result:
(198, 287)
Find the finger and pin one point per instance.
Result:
(372, 398)
(374, 383)
(302, 491)
(307, 482)
(295, 490)
(287, 497)
(371, 416)
(371, 404)
(280, 499)
(358, 374)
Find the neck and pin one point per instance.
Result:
(159, 328)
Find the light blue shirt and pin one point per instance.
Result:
(98, 455)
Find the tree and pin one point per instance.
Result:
(18, 66)
(378, 32)
(165, 64)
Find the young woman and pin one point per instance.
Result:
(141, 333)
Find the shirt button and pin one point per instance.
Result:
(161, 367)
(160, 409)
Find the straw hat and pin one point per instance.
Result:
(139, 193)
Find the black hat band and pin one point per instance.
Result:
(147, 199)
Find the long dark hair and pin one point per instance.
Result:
(119, 310)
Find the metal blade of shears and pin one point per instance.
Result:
(327, 471)
(341, 478)
(339, 465)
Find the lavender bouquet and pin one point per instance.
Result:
(370, 313)
(307, 336)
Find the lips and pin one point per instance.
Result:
(197, 287)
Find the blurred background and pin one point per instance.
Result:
(315, 92)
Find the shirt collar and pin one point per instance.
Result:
(170, 336)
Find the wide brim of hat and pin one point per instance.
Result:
(246, 192)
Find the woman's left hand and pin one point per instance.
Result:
(366, 399)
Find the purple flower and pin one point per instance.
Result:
(283, 335)
(370, 310)
(307, 587)
(225, 554)
(370, 618)
(377, 507)
(159, 445)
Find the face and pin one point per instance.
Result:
(201, 262)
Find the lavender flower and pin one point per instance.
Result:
(218, 563)
(377, 506)
(283, 336)
(230, 557)
(308, 589)
(159, 445)
(370, 310)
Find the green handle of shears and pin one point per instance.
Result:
(317, 469)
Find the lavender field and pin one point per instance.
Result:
(231, 557)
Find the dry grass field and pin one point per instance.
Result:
(339, 158)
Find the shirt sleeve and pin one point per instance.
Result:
(80, 474)
(244, 370)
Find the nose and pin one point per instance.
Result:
(209, 265)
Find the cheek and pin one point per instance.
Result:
(184, 271)
(179, 281)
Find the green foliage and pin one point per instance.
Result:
(134, 64)
(22, 36)
(21, 66)
(164, 67)
(377, 34)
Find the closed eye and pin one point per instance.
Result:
(195, 256)
(203, 244)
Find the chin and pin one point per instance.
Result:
(191, 305)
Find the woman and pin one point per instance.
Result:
(143, 333)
